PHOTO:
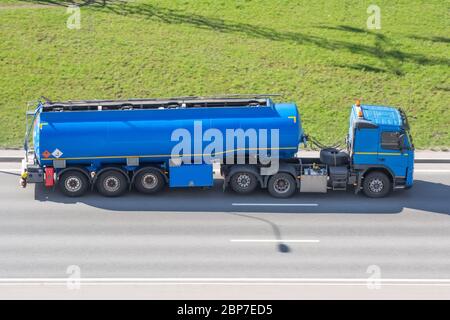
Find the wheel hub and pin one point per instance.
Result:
(111, 184)
(73, 184)
(149, 181)
(243, 180)
(281, 185)
(376, 185)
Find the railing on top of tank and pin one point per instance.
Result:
(163, 103)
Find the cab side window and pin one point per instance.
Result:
(390, 140)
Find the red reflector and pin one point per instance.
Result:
(49, 177)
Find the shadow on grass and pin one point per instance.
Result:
(362, 67)
(343, 28)
(432, 39)
(442, 88)
(382, 49)
(73, 2)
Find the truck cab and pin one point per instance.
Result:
(381, 149)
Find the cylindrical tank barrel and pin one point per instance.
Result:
(112, 136)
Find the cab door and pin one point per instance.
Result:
(390, 153)
(365, 146)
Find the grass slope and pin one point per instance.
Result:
(317, 53)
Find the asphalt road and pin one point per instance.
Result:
(209, 237)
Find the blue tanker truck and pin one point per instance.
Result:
(148, 144)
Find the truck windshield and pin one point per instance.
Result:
(410, 139)
(406, 128)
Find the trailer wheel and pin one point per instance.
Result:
(243, 182)
(281, 185)
(149, 181)
(73, 183)
(112, 183)
(376, 185)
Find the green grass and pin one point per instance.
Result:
(317, 53)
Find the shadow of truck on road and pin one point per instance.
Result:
(425, 195)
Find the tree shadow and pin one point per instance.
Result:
(382, 49)
(442, 88)
(432, 38)
(80, 3)
(343, 28)
(362, 67)
(382, 45)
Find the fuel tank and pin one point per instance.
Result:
(100, 136)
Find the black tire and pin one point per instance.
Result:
(112, 183)
(376, 185)
(243, 182)
(149, 181)
(73, 183)
(333, 157)
(282, 185)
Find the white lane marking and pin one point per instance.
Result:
(274, 240)
(277, 204)
(11, 170)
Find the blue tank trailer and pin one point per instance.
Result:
(116, 145)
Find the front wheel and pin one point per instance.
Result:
(376, 185)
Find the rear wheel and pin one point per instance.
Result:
(149, 181)
(112, 183)
(243, 182)
(73, 183)
(376, 185)
(282, 185)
